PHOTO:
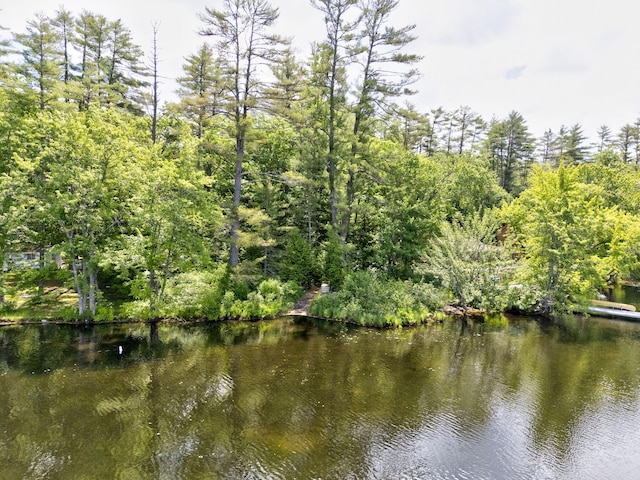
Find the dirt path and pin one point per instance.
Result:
(300, 309)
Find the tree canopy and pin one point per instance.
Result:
(273, 172)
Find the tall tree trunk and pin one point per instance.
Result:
(41, 263)
(153, 287)
(332, 130)
(93, 289)
(351, 194)
(80, 289)
(154, 118)
(235, 210)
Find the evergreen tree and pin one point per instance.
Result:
(380, 47)
(333, 53)
(41, 57)
(110, 70)
(546, 145)
(64, 24)
(124, 72)
(464, 120)
(155, 89)
(509, 148)
(635, 135)
(284, 96)
(91, 37)
(243, 33)
(202, 88)
(575, 150)
(625, 142)
(604, 138)
(408, 127)
(438, 118)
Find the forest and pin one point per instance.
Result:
(273, 174)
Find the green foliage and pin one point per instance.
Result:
(401, 210)
(298, 263)
(469, 186)
(572, 242)
(333, 262)
(69, 314)
(329, 185)
(211, 295)
(137, 310)
(105, 313)
(193, 294)
(467, 260)
(619, 181)
(509, 148)
(270, 299)
(368, 298)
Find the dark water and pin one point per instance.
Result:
(508, 398)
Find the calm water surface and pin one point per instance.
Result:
(506, 398)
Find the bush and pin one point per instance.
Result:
(136, 310)
(213, 295)
(104, 313)
(69, 314)
(270, 299)
(368, 298)
(333, 262)
(467, 260)
(299, 264)
(195, 294)
(7, 307)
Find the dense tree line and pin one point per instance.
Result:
(273, 169)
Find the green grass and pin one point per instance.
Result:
(24, 304)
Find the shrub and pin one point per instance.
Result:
(333, 262)
(368, 298)
(104, 313)
(195, 294)
(268, 300)
(136, 310)
(299, 263)
(69, 314)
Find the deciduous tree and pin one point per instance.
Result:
(572, 242)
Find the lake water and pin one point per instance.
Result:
(506, 398)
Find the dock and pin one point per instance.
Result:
(614, 309)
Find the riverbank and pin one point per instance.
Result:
(364, 300)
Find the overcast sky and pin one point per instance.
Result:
(558, 62)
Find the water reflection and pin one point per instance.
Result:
(502, 398)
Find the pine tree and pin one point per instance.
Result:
(604, 138)
(334, 51)
(64, 24)
(624, 142)
(244, 39)
(201, 88)
(41, 57)
(386, 75)
(575, 149)
(509, 147)
(110, 70)
(284, 96)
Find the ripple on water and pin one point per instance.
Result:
(597, 452)
(449, 446)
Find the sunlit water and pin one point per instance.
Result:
(507, 398)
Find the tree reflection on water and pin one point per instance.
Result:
(505, 397)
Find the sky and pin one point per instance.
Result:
(557, 62)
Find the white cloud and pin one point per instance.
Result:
(466, 23)
(556, 62)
